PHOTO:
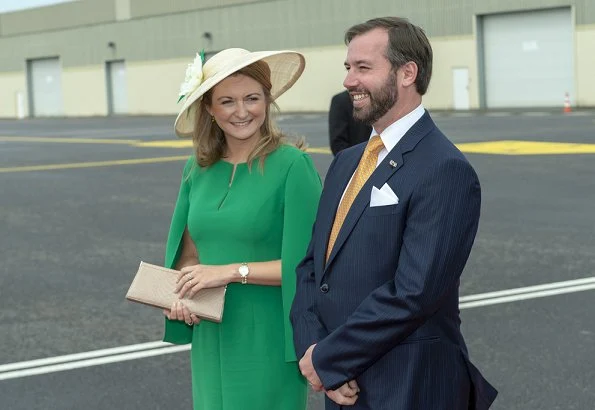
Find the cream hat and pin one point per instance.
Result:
(286, 67)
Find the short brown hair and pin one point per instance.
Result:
(406, 42)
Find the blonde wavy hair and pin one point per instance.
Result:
(209, 140)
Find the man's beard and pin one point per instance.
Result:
(381, 102)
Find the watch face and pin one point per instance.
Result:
(244, 271)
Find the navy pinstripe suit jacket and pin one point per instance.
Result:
(384, 309)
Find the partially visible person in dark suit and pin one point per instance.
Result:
(344, 130)
(376, 311)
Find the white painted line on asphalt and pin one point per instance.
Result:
(525, 296)
(578, 113)
(528, 289)
(91, 362)
(142, 350)
(81, 356)
(498, 114)
(535, 114)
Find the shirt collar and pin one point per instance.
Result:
(394, 132)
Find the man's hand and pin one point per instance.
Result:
(345, 395)
(308, 371)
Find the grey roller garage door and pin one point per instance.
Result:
(528, 58)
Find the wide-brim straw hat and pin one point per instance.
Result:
(286, 67)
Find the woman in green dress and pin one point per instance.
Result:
(245, 210)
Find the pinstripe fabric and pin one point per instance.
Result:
(366, 166)
(384, 309)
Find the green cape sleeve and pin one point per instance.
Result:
(176, 331)
(302, 193)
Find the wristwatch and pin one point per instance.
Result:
(244, 271)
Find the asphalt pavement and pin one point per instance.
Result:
(82, 201)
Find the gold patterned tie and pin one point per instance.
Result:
(367, 165)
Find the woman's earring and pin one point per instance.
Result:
(212, 118)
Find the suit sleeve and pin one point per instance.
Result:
(307, 327)
(302, 193)
(442, 221)
(338, 125)
(176, 331)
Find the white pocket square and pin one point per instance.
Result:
(383, 196)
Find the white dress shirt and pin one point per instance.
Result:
(393, 134)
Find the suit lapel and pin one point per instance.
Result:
(389, 165)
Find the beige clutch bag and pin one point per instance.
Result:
(155, 285)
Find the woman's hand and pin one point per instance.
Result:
(193, 278)
(180, 312)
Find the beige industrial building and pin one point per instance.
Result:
(128, 57)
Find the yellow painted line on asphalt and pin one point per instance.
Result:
(62, 140)
(164, 144)
(93, 164)
(526, 148)
(188, 144)
(319, 150)
(181, 143)
(503, 147)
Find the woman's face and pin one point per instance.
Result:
(238, 105)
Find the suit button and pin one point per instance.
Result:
(324, 288)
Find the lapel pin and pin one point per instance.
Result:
(392, 163)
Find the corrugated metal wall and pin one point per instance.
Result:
(59, 16)
(253, 24)
(148, 8)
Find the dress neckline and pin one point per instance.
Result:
(233, 164)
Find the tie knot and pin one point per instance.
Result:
(374, 144)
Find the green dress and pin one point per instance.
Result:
(247, 361)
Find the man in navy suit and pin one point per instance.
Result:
(375, 316)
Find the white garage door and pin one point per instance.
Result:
(45, 82)
(528, 58)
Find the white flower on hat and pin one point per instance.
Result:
(194, 76)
